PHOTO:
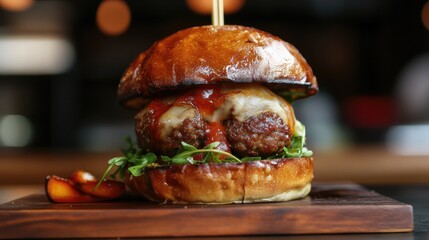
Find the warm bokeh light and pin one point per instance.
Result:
(16, 5)
(425, 15)
(204, 7)
(113, 17)
(55, 55)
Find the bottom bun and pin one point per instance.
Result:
(273, 180)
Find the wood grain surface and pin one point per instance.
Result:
(330, 208)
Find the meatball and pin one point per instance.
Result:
(263, 135)
(165, 134)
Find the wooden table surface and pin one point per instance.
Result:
(330, 208)
(415, 195)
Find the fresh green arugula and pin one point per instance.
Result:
(295, 150)
(297, 147)
(135, 160)
(291, 95)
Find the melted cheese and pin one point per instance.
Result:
(173, 118)
(241, 102)
(248, 100)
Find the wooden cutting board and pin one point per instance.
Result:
(330, 208)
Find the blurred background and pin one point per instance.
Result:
(61, 61)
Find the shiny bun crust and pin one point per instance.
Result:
(256, 181)
(216, 54)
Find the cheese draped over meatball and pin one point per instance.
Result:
(247, 120)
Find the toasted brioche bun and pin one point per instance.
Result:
(216, 54)
(256, 181)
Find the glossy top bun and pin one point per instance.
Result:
(212, 55)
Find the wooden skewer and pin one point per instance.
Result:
(215, 19)
(220, 12)
(217, 13)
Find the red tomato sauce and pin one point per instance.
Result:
(206, 99)
(158, 108)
